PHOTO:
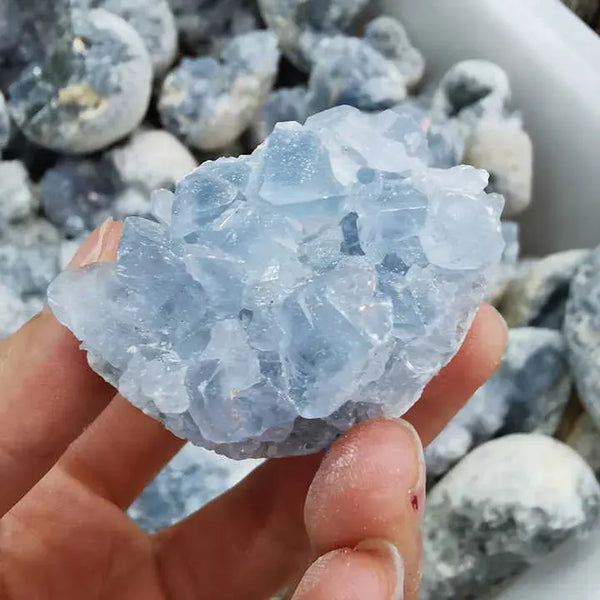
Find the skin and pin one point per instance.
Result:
(74, 456)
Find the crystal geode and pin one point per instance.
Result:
(282, 297)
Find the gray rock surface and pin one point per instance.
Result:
(17, 199)
(388, 36)
(301, 24)
(154, 22)
(584, 438)
(505, 151)
(95, 91)
(528, 393)
(350, 71)
(191, 480)
(539, 296)
(504, 507)
(4, 123)
(209, 103)
(582, 330)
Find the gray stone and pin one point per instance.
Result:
(301, 24)
(505, 151)
(90, 92)
(388, 36)
(191, 480)
(4, 123)
(471, 91)
(283, 297)
(582, 330)
(504, 507)
(528, 393)
(538, 298)
(205, 26)
(17, 199)
(154, 22)
(584, 438)
(350, 71)
(14, 311)
(282, 105)
(209, 103)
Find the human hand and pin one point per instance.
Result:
(74, 456)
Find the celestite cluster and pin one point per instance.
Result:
(281, 297)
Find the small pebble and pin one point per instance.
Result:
(538, 298)
(506, 506)
(582, 330)
(350, 71)
(17, 200)
(209, 103)
(100, 97)
(154, 22)
(505, 151)
(388, 36)
(528, 393)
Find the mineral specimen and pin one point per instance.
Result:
(93, 88)
(209, 102)
(388, 36)
(17, 200)
(286, 295)
(350, 71)
(528, 393)
(301, 24)
(155, 24)
(504, 507)
(539, 297)
(282, 105)
(504, 150)
(471, 91)
(191, 480)
(582, 330)
(206, 25)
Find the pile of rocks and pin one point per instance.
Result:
(104, 101)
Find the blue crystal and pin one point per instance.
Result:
(285, 296)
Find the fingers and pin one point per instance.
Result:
(475, 363)
(257, 526)
(371, 484)
(48, 392)
(120, 453)
(371, 570)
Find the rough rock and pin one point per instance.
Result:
(205, 26)
(538, 298)
(280, 290)
(582, 330)
(208, 102)
(350, 71)
(528, 393)
(154, 22)
(473, 91)
(584, 438)
(504, 150)
(504, 507)
(17, 199)
(388, 36)
(93, 88)
(282, 105)
(189, 482)
(301, 24)
(4, 123)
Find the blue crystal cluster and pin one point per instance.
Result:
(286, 295)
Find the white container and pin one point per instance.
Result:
(553, 60)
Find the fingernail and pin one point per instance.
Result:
(94, 248)
(417, 491)
(392, 555)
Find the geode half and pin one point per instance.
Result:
(284, 296)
